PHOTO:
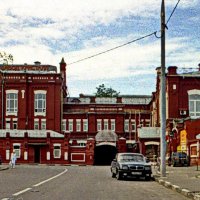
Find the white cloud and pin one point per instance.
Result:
(48, 30)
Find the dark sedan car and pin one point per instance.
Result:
(180, 159)
(130, 165)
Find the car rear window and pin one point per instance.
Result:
(127, 157)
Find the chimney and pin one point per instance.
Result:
(172, 70)
(37, 62)
(158, 69)
(63, 74)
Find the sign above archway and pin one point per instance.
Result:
(106, 136)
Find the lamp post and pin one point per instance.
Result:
(163, 95)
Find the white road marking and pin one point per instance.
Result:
(27, 189)
(38, 184)
(22, 191)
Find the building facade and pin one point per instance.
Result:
(44, 125)
(182, 110)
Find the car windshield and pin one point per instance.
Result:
(180, 154)
(128, 157)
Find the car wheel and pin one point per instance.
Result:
(148, 178)
(118, 175)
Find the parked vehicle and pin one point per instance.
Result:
(0, 160)
(130, 165)
(179, 159)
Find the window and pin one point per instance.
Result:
(57, 151)
(64, 125)
(112, 124)
(7, 123)
(70, 125)
(43, 124)
(11, 102)
(133, 126)
(81, 143)
(126, 125)
(105, 124)
(36, 124)
(85, 125)
(194, 103)
(78, 125)
(14, 124)
(147, 123)
(40, 102)
(99, 124)
(16, 148)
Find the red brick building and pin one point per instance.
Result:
(44, 125)
(182, 110)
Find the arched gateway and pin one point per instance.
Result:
(105, 149)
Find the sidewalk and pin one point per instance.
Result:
(4, 167)
(185, 180)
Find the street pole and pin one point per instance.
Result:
(163, 95)
(2, 100)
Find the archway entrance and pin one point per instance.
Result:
(104, 154)
(105, 149)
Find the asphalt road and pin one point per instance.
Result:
(77, 183)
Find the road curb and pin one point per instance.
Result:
(4, 168)
(177, 188)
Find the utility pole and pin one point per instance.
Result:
(163, 95)
(2, 100)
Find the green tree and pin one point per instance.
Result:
(102, 91)
(5, 58)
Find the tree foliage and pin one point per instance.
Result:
(5, 58)
(102, 91)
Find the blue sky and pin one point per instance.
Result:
(47, 30)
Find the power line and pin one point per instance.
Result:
(173, 11)
(132, 41)
(153, 33)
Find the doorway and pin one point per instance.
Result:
(37, 154)
(104, 154)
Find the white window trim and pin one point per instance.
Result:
(12, 92)
(85, 122)
(59, 150)
(105, 121)
(15, 120)
(126, 122)
(8, 122)
(193, 92)
(113, 123)
(70, 122)
(36, 120)
(78, 125)
(64, 124)
(40, 92)
(43, 122)
(19, 145)
(99, 122)
(133, 122)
